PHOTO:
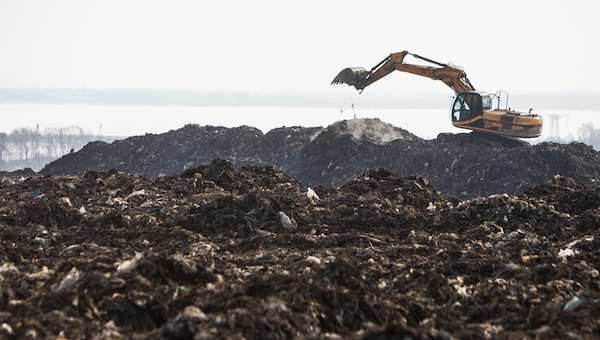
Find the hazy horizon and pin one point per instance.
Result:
(522, 102)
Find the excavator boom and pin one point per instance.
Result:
(360, 78)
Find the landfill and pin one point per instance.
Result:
(464, 165)
(217, 250)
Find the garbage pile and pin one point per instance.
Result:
(216, 252)
(463, 165)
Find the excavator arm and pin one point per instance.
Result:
(471, 109)
(360, 78)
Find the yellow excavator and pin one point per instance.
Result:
(471, 109)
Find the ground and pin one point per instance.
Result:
(223, 252)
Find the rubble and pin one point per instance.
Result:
(203, 254)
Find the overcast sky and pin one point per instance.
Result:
(523, 47)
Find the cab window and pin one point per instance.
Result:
(486, 103)
(466, 106)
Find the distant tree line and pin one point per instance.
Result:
(589, 135)
(31, 148)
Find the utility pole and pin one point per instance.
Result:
(555, 127)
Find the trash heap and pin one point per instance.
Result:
(463, 165)
(216, 252)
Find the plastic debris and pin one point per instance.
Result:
(573, 304)
(135, 193)
(69, 280)
(129, 265)
(287, 222)
(565, 253)
(66, 201)
(313, 260)
(311, 194)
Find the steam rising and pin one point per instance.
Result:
(373, 130)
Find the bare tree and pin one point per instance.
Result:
(49, 145)
(588, 135)
(23, 142)
(67, 138)
(30, 148)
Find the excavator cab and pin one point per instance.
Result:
(473, 111)
(469, 105)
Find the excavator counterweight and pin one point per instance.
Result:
(471, 109)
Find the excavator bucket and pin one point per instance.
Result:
(353, 76)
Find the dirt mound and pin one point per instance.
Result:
(463, 165)
(371, 130)
(219, 252)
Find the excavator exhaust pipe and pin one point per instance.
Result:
(353, 76)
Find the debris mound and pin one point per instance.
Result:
(207, 254)
(464, 166)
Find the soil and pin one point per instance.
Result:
(144, 244)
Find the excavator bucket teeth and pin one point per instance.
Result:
(353, 76)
